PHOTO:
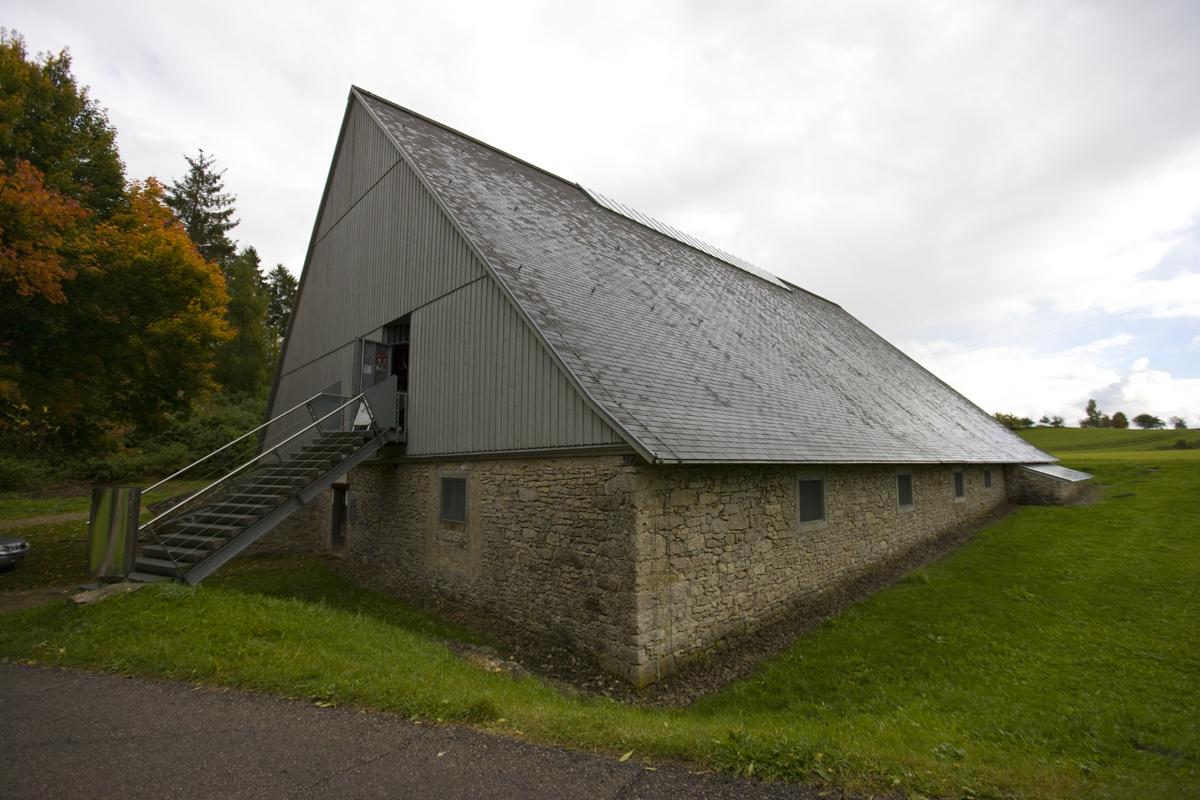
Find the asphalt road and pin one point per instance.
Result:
(76, 734)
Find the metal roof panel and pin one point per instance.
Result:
(1058, 472)
(699, 362)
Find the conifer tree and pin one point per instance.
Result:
(243, 362)
(201, 203)
(281, 294)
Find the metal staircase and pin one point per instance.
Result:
(214, 513)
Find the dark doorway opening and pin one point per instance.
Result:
(339, 517)
(398, 337)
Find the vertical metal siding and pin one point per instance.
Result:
(390, 252)
(366, 154)
(481, 381)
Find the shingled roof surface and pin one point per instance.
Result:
(696, 360)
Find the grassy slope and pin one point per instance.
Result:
(1055, 656)
(1075, 442)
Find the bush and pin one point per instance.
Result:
(222, 418)
(179, 440)
(20, 474)
(127, 465)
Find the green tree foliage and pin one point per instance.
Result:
(1179, 423)
(108, 315)
(47, 119)
(1119, 420)
(134, 339)
(281, 296)
(201, 203)
(1148, 421)
(1095, 418)
(243, 362)
(1012, 421)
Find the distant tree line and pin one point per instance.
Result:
(126, 310)
(1095, 418)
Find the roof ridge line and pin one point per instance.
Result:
(459, 133)
(590, 195)
(633, 440)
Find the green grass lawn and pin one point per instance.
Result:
(57, 557)
(1071, 442)
(14, 505)
(1056, 655)
(18, 506)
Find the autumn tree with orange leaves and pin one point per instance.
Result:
(109, 317)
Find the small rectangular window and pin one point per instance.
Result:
(454, 500)
(810, 499)
(959, 488)
(987, 478)
(904, 497)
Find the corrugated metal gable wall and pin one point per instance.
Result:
(481, 381)
(384, 248)
(366, 155)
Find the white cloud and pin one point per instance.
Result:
(1021, 380)
(1158, 393)
(933, 167)
(1101, 345)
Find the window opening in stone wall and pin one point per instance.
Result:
(810, 499)
(987, 478)
(454, 500)
(959, 488)
(904, 490)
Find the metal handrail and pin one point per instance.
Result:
(231, 443)
(238, 469)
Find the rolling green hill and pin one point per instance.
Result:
(1068, 441)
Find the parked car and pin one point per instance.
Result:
(12, 550)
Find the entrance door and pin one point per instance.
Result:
(376, 364)
(375, 368)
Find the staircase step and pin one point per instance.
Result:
(248, 508)
(220, 517)
(305, 472)
(197, 528)
(146, 577)
(188, 554)
(331, 451)
(276, 487)
(194, 541)
(158, 566)
(256, 493)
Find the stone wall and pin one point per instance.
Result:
(639, 567)
(720, 551)
(305, 531)
(546, 547)
(1031, 488)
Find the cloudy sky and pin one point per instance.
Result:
(1008, 191)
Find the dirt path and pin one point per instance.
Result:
(21, 599)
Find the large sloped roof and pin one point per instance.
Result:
(692, 358)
